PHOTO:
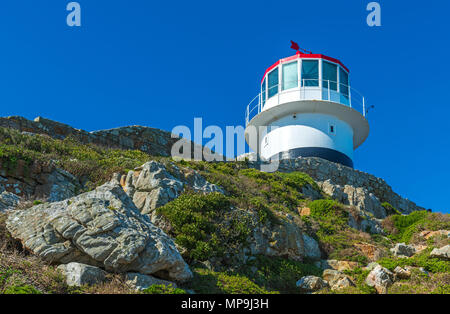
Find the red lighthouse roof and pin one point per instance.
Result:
(300, 55)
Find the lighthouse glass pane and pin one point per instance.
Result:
(310, 72)
(329, 75)
(343, 80)
(290, 75)
(273, 83)
(263, 91)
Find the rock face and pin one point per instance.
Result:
(442, 253)
(380, 278)
(152, 185)
(349, 186)
(402, 273)
(81, 274)
(140, 282)
(8, 201)
(311, 283)
(100, 228)
(41, 181)
(337, 280)
(284, 239)
(429, 234)
(155, 142)
(337, 265)
(401, 249)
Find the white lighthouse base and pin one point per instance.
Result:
(308, 135)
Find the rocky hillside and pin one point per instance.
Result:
(109, 212)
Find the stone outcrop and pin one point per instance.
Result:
(349, 186)
(311, 283)
(283, 239)
(442, 253)
(42, 180)
(337, 280)
(401, 249)
(336, 265)
(427, 234)
(155, 142)
(77, 274)
(141, 282)
(8, 201)
(402, 273)
(152, 185)
(101, 228)
(380, 278)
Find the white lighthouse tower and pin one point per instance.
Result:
(307, 108)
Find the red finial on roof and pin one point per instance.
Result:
(294, 45)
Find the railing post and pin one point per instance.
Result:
(349, 95)
(364, 107)
(329, 92)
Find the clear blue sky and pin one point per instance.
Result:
(162, 63)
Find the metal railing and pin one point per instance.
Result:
(309, 89)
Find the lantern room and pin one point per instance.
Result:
(307, 108)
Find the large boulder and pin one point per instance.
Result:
(401, 249)
(442, 253)
(311, 283)
(380, 278)
(100, 228)
(78, 274)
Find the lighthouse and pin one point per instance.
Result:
(307, 108)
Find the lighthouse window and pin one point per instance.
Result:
(310, 72)
(343, 79)
(273, 83)
(263, 92)
(329, 75)
(332, 129)
(290, 75)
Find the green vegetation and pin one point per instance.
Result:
(252, 189)
(422, 259)
(402, 228)
(206, 281)
(277, 273)
(25, 289)
(390, 210)
(163, 289)
(88, 162)
(198, 225)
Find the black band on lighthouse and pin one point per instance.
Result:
(325, 153)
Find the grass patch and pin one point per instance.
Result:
(209, 282)
(163, 289)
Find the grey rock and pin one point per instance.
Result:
(8, 201)
(402, 273)
(152, 185)
(337, 280)
(311, 283)
(401, 249)
(100, 228)
(380, 278)
(311, 246)
(372, 265)
(140, 282)
(442, 253)
(80, 274)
